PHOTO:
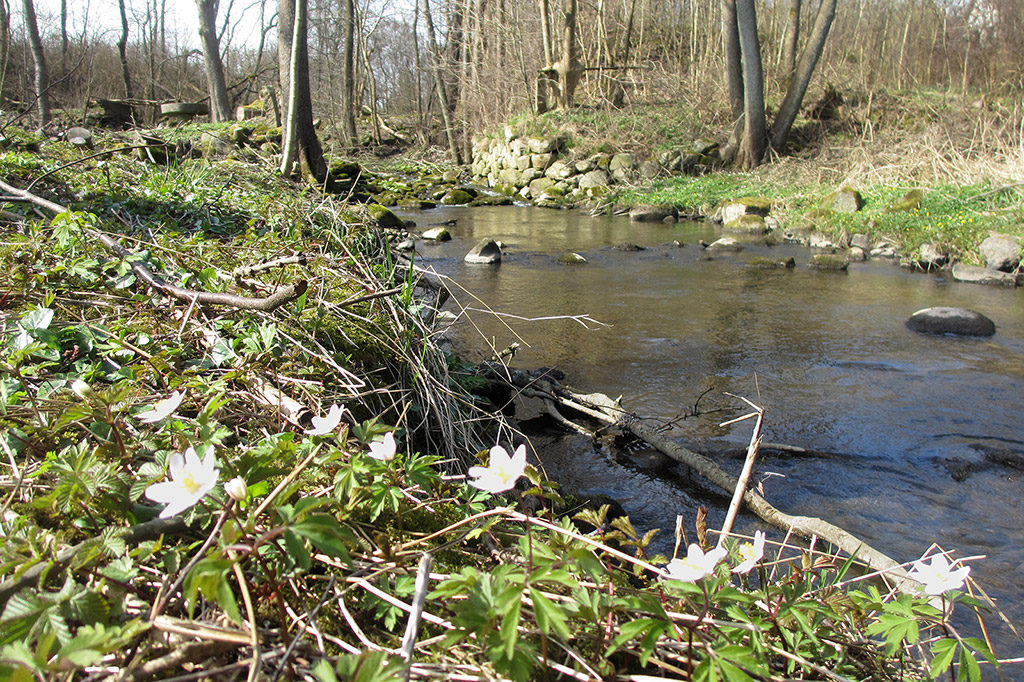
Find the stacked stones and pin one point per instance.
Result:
(536, 169)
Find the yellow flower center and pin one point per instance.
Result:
(190, 484)
(746, 552)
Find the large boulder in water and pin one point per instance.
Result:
(486, 251)
(943, 320)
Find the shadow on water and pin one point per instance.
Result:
(827, 354)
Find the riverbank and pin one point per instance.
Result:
(310, 453)
(934, 173)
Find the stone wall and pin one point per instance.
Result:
(543, 170)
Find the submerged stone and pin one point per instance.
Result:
(946, 320)
(724, 244)
(748, 222)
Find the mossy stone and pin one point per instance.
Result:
(570, 258)
(908, 202)
(456, 197)
(750, 222)
(829, 262)
(344, 168)
(384, 216)
(843, 200)
(764, 263)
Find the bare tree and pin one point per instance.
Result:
(301, 142)
(42, 74)
(442, 91)
(220, 104)
(348, 76)
(5, 42)
(747, 77)
(122, 50)
(789, 43)
(802, 76)
(755, 129)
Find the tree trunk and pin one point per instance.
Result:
(302, 135)
(790, 106)
(42, 74)
(733, 69)
(755, 128)
(348, 77)
(442, 92)
(122, 51)
(63, 32)
(371, 84)
(568, 66)
(220, 104)
(5, 43)
(789, 43)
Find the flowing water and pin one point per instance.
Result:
(827, 355)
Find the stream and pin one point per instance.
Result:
(826, 354)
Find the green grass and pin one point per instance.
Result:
(957, 217)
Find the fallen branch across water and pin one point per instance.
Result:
(602, 408)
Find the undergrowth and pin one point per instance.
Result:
(318, 521)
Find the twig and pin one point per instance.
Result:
(744, 479)
(419, 597)
(243, 271)
(159, 605)
(191, 652)
(254, 633)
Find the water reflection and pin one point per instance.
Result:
(834, 364)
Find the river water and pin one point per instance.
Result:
(826, 354)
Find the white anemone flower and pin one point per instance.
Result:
(502, 472)
(939, 576)
(750, 554)
(191, 479)
(325, 425)
(161, 409)
(384, 450)
(82, 389)
(696, 565)
(236, 489)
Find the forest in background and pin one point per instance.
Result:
(489, 55)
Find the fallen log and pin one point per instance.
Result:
(602, 408)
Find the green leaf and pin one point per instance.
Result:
(981, 647)
(326, 534)
(942, 656)
(550, 617)
(969, 668)
(209, 576)
(40, 318)
(297, 549)
(509, 631)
